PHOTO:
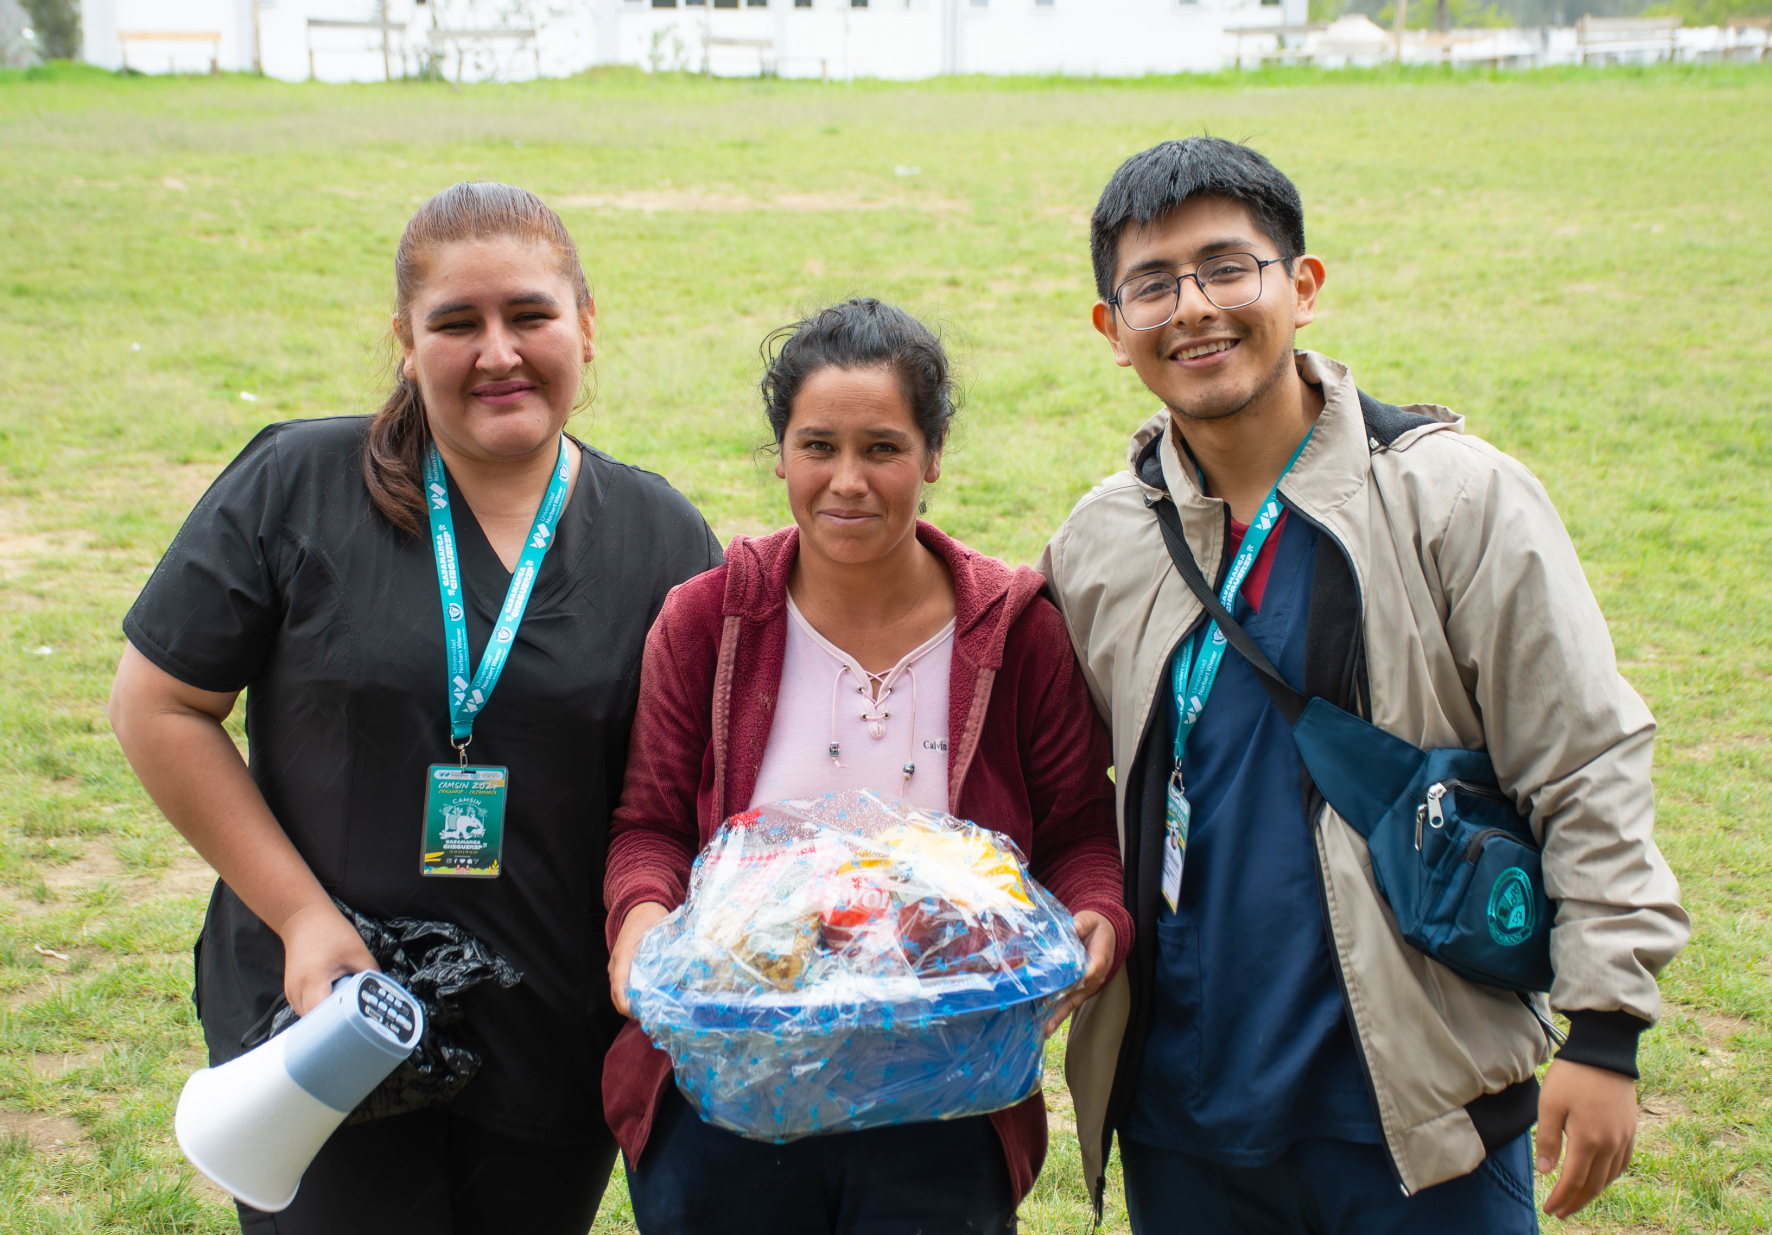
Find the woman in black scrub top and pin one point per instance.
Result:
(309, 577)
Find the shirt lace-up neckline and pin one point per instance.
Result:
(875, 689)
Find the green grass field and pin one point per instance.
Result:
(1575, 261)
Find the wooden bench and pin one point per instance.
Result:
(440, 38)
(1741, 25)
(823, 63)
(1442, 43)
(1280, 33)
(765, 49)
(1608, 36)
(213, 38)
(385, 27)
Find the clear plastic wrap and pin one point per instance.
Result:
(848, 962)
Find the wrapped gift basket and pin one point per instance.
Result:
(849, 961)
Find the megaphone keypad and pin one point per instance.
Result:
(387, 1010)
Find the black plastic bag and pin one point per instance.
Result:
(436, 961)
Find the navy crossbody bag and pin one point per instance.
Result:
(1454, 859)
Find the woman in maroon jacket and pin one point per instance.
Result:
(859, 648)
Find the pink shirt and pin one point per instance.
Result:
(877, 724)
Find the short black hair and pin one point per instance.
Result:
(1153, 182)
(861, 333)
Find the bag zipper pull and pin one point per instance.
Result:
(1420, 815)
(1435, 815)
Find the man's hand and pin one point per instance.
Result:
(641, 918)
(1597, 1109)
(319, 948)
(1099, 941)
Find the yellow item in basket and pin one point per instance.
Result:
(968, 868)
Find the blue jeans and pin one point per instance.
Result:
(939, 1178)
(1324, 1187)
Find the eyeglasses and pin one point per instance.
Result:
(1228, 281)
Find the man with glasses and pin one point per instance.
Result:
(1275, 1057)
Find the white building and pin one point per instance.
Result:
(923, 38)
(343, 40)
(795, 38)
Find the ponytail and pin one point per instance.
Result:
(394, 456)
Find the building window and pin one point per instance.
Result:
(802, 4)
(858, 4)
(757, 4)
(664, 4)
(1042, 4)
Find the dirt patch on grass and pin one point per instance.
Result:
(48, 1134)
(21, 548)
(1656, 1111)
(50, 1065)
(189, 875)
(1719, 1035)
(98, 864)
(19, 552)
(1718, 1030)
(183, 874)
(652, 201)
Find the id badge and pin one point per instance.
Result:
(1175, 818)
(464, 821)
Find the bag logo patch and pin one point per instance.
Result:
(1512, 912)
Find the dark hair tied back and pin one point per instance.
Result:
(862, 333)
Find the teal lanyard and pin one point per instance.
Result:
(467, 697)
(1195, 667)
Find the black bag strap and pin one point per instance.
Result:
(1385, 422)
(1289, 701)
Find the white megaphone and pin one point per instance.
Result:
(253, 1124)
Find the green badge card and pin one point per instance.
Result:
(464, 821)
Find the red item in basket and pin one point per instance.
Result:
(853, 903)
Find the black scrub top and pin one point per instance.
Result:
(286, 581)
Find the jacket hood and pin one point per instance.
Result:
(989, 595)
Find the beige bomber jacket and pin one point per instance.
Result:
(1480, 632)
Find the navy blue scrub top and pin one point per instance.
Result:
(1249, 1047)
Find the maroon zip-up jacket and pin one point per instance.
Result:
(1027, 756)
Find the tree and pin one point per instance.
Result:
(57, 23)
(1446, 15)
(1709, 12)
